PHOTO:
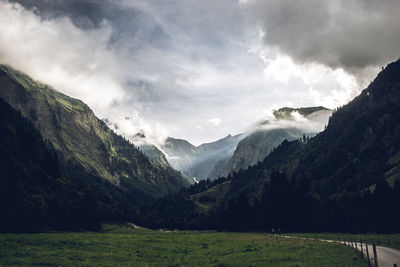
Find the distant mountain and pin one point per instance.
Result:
(287, 124)
(197, 162)
(230, 154)
(194, 162)
(84, 141)
(180, 153)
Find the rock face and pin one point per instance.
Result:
(287, 124)
(79, 136)
(155, 155)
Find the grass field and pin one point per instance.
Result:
(118, 246)
(386, 240)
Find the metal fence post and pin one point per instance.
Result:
(375, 254)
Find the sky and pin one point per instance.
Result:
(200, 70)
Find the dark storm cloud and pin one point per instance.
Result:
(88, 13)
(127, 22)
(345, 34)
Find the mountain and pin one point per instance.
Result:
(361, 143)
(39, 191)
(345, 179)
(197, 162)
(287, 124)
(180, 153)
(82, 141)
(359, 147)
(139, 139)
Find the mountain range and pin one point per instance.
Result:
(230, 154)
(333, 181)
(63, 168)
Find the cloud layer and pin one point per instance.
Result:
(198, 70)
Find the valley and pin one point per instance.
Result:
(199, 133)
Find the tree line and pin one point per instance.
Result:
(286, 206)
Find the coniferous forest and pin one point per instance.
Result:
(285, 206)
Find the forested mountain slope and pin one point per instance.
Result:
(77, 134)
(38, 191)
(331, 182)
(287, 124)
(87, 154)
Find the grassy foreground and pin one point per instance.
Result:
(386, 240)
(141, 247)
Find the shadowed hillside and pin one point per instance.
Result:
(87, 152)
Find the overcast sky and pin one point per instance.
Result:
(200, 70)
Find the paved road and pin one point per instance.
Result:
(387, 257)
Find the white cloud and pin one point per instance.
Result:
(215, 121)
(311, 123)
(77, 62)
(74, 61)
(132, 124)
(327, 87)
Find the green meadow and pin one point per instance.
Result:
(122, 246)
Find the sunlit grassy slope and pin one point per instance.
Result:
(141, 247)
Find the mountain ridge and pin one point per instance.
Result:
(269, 134)
(76, 133)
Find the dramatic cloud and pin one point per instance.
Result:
(172, 65)
(353, 35)
(77, 62)
(74, 61)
